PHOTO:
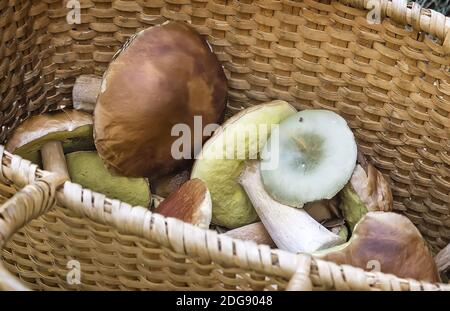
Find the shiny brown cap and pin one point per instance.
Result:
(163, 77)
(390, 242)
(191, 203)
(41, 127)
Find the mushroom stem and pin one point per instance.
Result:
(291, 229)
(53, 159)
(255, 232)
(85, 92)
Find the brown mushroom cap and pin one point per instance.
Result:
(191, 203)
(72, 128)
(165, 76)
(390, 239)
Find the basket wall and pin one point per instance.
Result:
(391, 81)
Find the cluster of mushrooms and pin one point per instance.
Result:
(321, 198)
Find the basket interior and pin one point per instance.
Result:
(390, 81)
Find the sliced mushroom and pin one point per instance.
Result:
(87, 169)
(191, 203)
(47, 137)
(291, 229)
(388, 242)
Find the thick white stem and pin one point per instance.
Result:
(53, 160)
(291, 229)
(255, 232)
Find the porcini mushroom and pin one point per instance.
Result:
(191, 203)
(315, 154)
(48, 136)
(223, 156)
(389, 242)
(163, 77)
(291, 229)
(87, 169)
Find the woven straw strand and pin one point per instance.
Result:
(27, 204)
(390, 82)
(429, 21)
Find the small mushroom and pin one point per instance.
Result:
(163, 77)
(388, 242)
(48, 136)
(191, 203)
(367, 191)
(87, 169)
(291, 229)
(255, 232)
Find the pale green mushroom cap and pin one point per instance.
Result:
(317, 155)
(87, 169)
(225, 154)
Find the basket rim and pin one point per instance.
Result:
(411, 14)
(169, 232)
(140, 222)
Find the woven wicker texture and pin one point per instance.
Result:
(442, 6)
(120, 247)
(391, 81)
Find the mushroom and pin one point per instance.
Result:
(290, 228)
(48, 136)
(321, 211)
(367, 191)
(163, 77)
(191, 203)
(389, 242)
(255, 232)
(315, 153)
(87, 169)
(223, 156)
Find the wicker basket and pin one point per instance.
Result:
(390, 80)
